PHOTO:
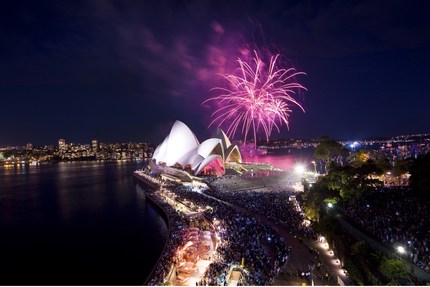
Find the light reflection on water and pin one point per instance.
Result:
(88, 223)
(85, 222)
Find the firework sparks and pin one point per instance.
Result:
(258, 98)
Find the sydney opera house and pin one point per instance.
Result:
(181, 150)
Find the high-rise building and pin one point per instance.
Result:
(62, 144)
(94, 145)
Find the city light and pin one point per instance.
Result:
(299, 168)
(314, 164)
(353, 145)
(401, 249)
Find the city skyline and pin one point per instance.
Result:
(126, 71)
(262, 142)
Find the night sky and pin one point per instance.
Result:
(120, 71)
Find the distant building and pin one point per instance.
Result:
(62, 144)
(94, 145)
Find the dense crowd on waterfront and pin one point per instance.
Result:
(261, 248)
(392, 215)
(176, 224)
(397, 218)
(275, 205)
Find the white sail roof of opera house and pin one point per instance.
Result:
(181, 147)
(219, 169)
(209, 146)
(231, 152)
(181, 140)
(219, 133)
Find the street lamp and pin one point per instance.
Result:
(311, 268)
(401, 249)
(315, 166)
(299, 168)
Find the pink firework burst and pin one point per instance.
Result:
(258, 98)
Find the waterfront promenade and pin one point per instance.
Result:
(241, 240)
(195, 247)
(271, 249)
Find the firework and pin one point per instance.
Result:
(258, 98)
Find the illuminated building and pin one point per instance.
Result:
(94, 145)
(182, 149)
(62, 145)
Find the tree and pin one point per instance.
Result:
(394, 269)
(383, 163)
(402, 166)
(316, 196)
(355, 271)
(330, 227)
(329, 150)
(341, 182)
(351, 182)
(361, 260)
(359, 158)
(364, 156)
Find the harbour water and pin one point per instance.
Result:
(84, 223)
(77, 223)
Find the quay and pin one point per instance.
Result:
(154, 184)
(198, 243)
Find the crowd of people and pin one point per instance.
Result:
(275, 205)
(242, 237)
(397, 218)
(242, 240)
(393, 215)
(176, 224)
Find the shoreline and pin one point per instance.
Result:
(166, 220)
(173, 265)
